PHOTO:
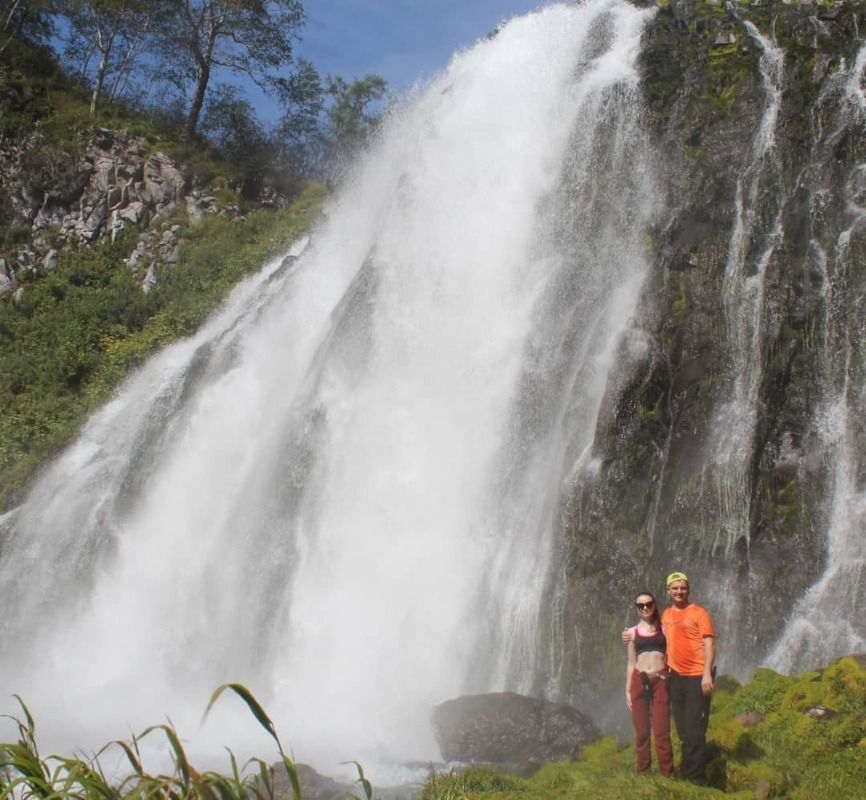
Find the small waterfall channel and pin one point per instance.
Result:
(828, 621)
(756, 233)
(343, 487)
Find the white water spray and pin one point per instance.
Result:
(828, 621)
(314, 494)
(750, 249)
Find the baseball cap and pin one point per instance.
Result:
(676, 576)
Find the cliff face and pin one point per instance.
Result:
(733, 449)
(105, 181)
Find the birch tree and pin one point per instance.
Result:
(111, 32)
(248, 37)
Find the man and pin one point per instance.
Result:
(691, 654)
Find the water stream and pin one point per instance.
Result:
(827, 622)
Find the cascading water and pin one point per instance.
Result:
(755, 236)
(756, 233)
(828, 622)
(331, 490)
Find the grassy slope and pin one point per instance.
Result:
(788, 754)
(81, 328)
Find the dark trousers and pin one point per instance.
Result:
(650, 711)
(691, 711)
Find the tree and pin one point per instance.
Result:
(350, 118)
(299, 132)
(231, 125)
(249, 37)
(28, 18)
(112, 31)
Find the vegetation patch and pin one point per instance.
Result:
(81, 328)
(806, 741)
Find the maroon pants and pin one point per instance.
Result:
(651, 713)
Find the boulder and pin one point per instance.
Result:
(313, 785)
(507, 729)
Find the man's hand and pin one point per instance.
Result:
(627, 700)
(707, 684)
(627, 637)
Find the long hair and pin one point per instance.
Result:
(655, 619)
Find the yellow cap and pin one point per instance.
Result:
(676, 576)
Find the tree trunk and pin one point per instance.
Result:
(104, 52)
(204, 58)
(198, 100)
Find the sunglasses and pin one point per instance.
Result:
(644, 606)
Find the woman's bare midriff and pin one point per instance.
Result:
(650, 662)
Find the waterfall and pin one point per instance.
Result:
(349, 478)
(827, 622)
(756, 233)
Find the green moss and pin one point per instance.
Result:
(757, 778)
(763, 693)
(680, 306)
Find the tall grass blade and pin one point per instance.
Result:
(131, 756)
(365, 784)
(179, 754)
(31, 725)
(293, 776)
(258, 712)
(265, 777)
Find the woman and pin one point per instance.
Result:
(646, 691)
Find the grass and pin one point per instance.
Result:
(787, 754)
(25, 774)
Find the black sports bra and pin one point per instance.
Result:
(653, 643)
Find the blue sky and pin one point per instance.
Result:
(404, 41)
(401, 40)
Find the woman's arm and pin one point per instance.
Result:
(631, 666)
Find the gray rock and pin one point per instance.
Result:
(749, 718)
(820, 712)
(508, 729)
(150, 279)
(5, 284)
(50, 260)
(194, 211)
(725, 38)
(135, 212)
(163, 181)
(313, 785)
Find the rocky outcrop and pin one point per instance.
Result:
(508, 729)
(108, 182)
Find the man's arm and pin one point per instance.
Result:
(709, 663)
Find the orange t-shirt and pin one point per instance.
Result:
(685, 629)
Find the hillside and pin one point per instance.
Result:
(115, 239)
